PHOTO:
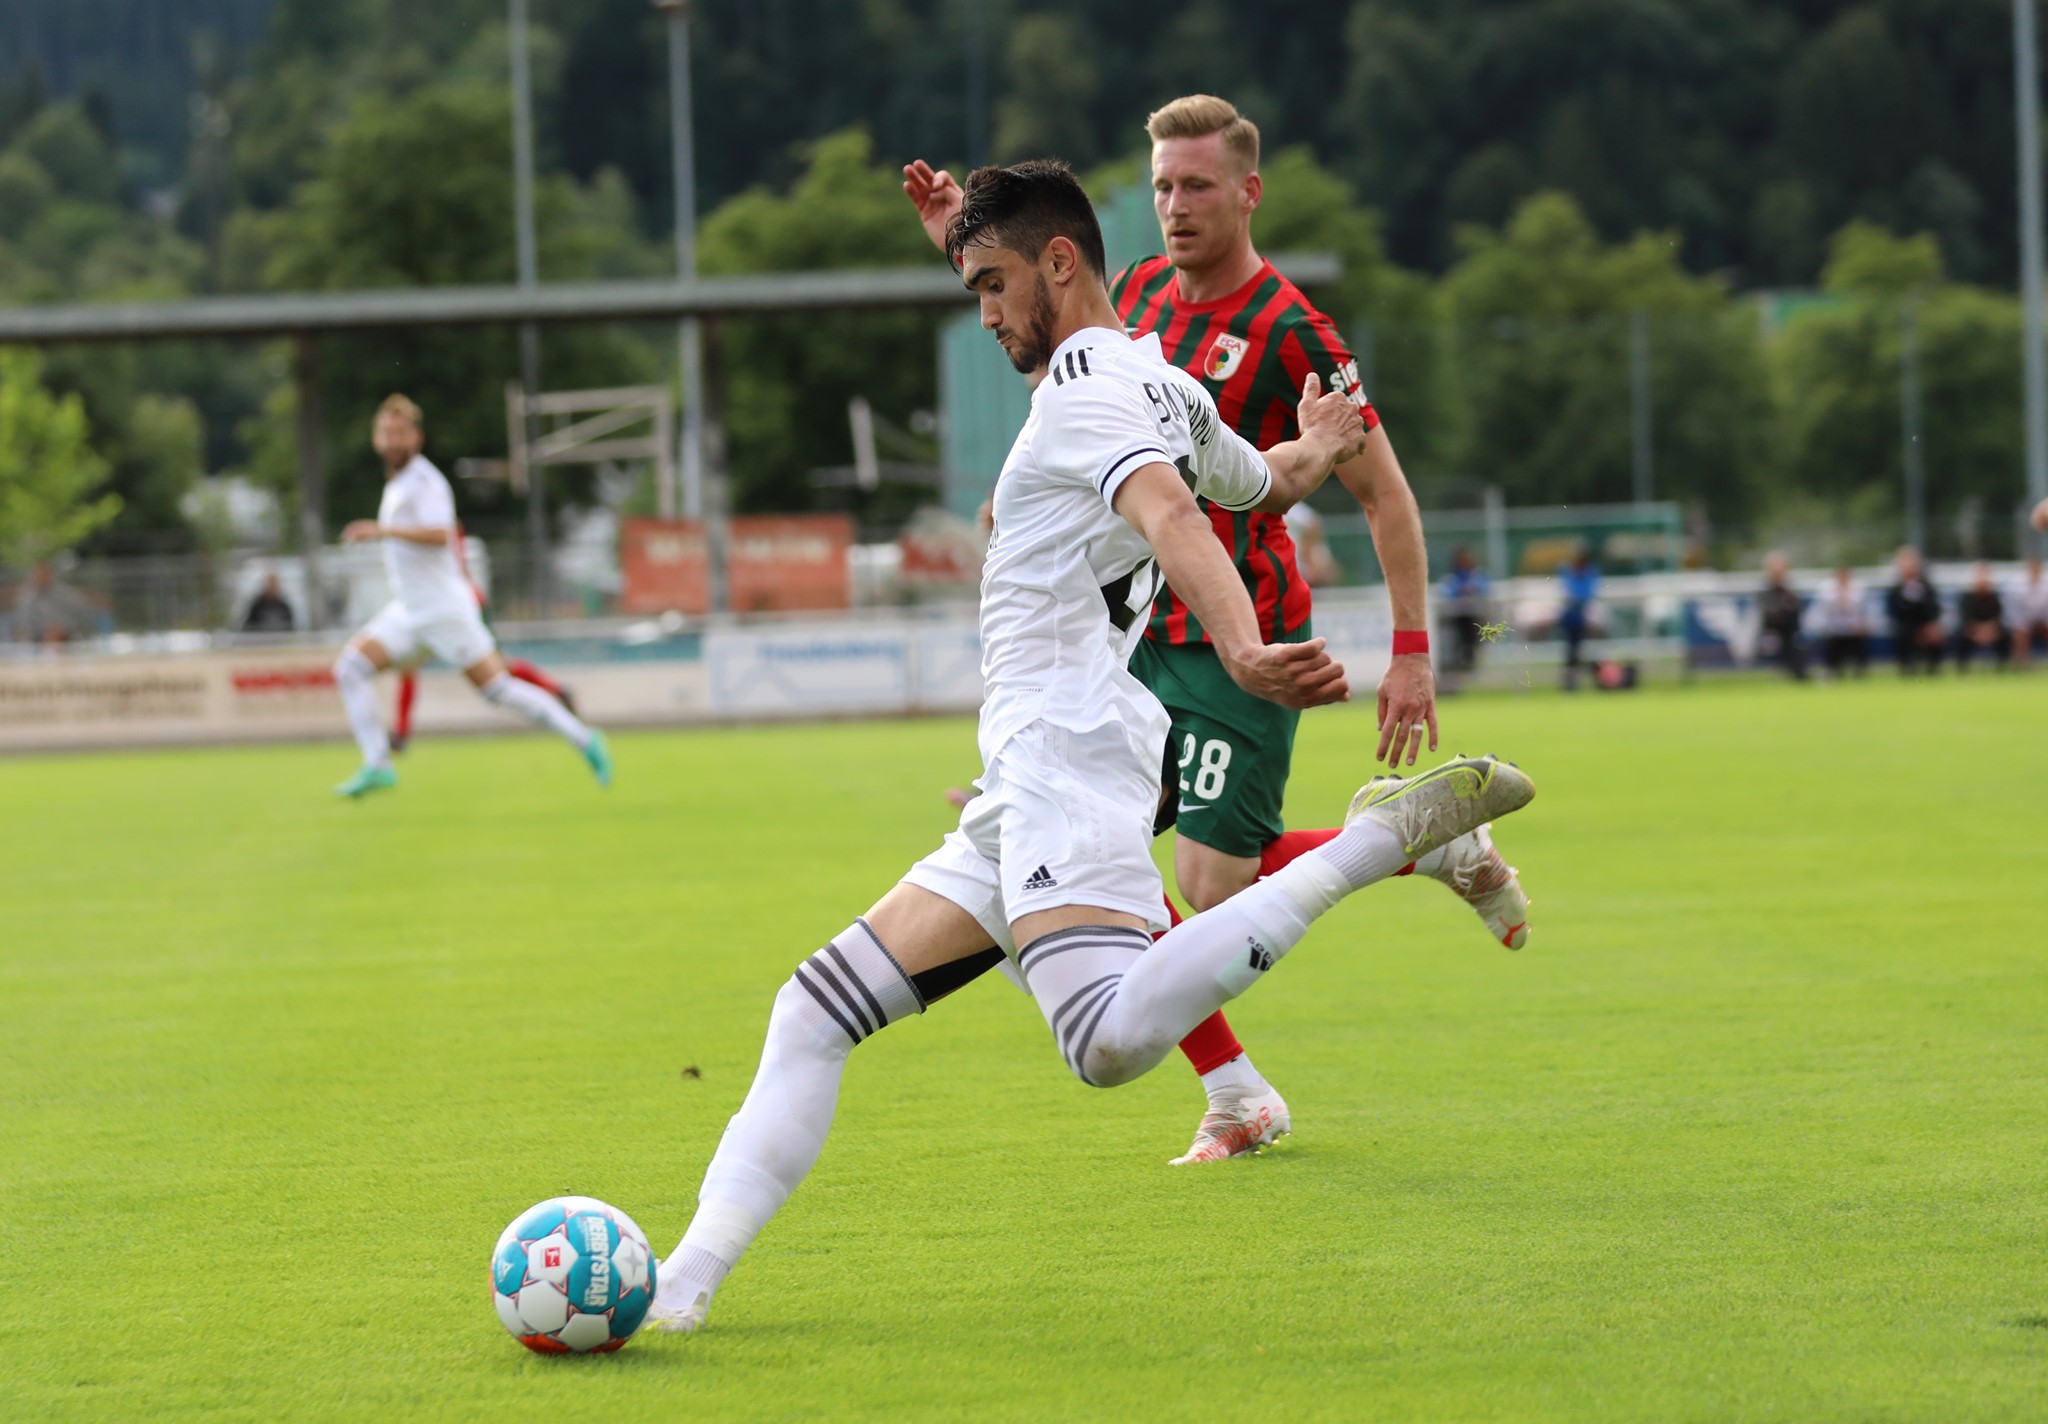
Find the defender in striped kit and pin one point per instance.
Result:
(1229, 318)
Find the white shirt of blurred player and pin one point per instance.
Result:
(425, 578)
(1302, 521)
(1841, 611)
(2029, 603)
(1062, 559)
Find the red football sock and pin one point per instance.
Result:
(1292, 845)
(1213, 1042)
(527, 672)
(408, 692)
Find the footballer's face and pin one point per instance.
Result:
(396, 439)
(1016, 298)
(1204, 198)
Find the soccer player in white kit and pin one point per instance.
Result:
(1051, 865)
(433, 609)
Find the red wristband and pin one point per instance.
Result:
(1410, 641)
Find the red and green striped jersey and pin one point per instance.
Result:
(1252, 349)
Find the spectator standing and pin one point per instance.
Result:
(1844, 625)
(48, 612)
(268, 611)
(1468, 597)
(1782, 611)
(1914, 609)
(1581, 581)
(1980, 622)
(2029, 614)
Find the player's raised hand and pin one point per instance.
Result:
(1292, 674)
(1407, 706)
(936, 197)
(1331, 418)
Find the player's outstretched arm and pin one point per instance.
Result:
(1407, 694)
(1332, 431)
(936, 197)
(1157, 504)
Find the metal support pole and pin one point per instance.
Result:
(1914, 450)
(977, 83)
(529, 276)
(2027, 84)
(1641, 467)
(312, 476)
(689, 331)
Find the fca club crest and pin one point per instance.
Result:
(1225, 355)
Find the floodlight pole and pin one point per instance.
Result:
(529, 276)
(1641, 450)
(692, 459)
(2027, 87)
(1913, 447)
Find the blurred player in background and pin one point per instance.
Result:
(409, 676)
(433, 609)
(1227, 317)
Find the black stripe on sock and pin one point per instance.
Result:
(1108, 934)
(819, 967)
(1101, 1011)
(1079, 994)
(824, 1003)
(916, 990)
(867, 995)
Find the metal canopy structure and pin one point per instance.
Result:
(321, 312)
(765, 294)
(305, 317)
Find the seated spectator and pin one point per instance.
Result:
(48, 612)
(1782, 610)
(1844, 626)
(1915, 612)
(268, 610)
(1467, 604)
(1980, 622)
(2030, 615)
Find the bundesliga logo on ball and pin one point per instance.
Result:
(572, 1276)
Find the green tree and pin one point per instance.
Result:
(787, 380)
(48, 469)
(1837, 370)
(1542, 312)
(416, 189)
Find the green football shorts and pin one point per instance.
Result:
(1232, 749)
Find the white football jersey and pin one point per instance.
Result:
(1069, 583)
(424, 578)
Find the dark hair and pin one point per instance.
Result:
(1025, 206)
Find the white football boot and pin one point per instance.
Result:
(1474, 870)
(1237, 1124)
(678, 1317)
(1443, 803)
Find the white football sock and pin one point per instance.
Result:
(1116, 1011)
(1235, 1079)
(839, 996)
(355, 678)
(536, 707)
(1433, 862)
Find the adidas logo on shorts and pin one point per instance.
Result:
(1041, 879)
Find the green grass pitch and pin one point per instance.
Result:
(1754, 1129)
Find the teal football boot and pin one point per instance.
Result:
(599, 756)
(366, 780)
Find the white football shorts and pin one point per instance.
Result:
(456, 636)
(1064, 818)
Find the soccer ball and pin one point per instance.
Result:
(572, 1276)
